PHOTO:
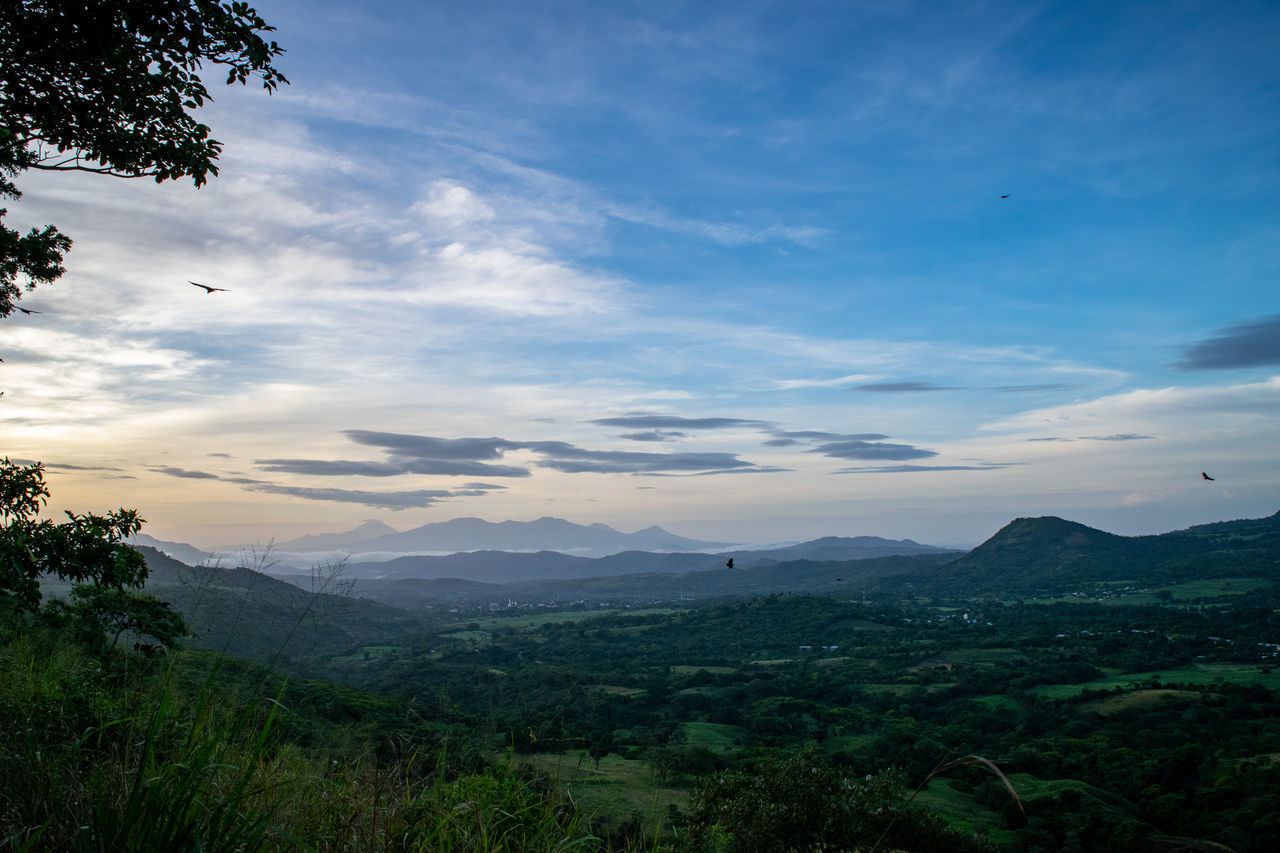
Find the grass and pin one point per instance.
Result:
(1138, 699)
(690, 669)
(1218, 587)
(620, 788)
(532, 621)
(961, 811)
(1198, 675)
(373, 653)
(720, 738)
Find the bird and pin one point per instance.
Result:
(1006, 195)
(207, 288)
(1206, 476)
(27, 310)
(729, 565)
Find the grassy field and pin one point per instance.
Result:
(690, 669)
(620, 788)
(1200, 675)
(961, 811)
(530, 621)
(717, 737)
(373, 653)
(1218, 587)
(1138, 699)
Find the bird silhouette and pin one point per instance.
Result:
(1206, 476)
(27, 310)
(1004, 196)
(207, 288)
(729, 565)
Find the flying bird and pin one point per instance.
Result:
(1006, 195)
(1206, 476)
(207, 288)
(27, 310)
(729, 565)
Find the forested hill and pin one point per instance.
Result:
(1031, 555)
(252, 615)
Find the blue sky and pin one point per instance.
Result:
(740, 269)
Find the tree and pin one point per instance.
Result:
(84, 549)
(109, 87)
(97, 609)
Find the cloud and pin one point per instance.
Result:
(423, 454)
(654, 435)
(61, 466)
(1123, 436)
(183, 473)
(1253, 343)
(900, 387)
(665, 421)
(387, 500)
(909, 469)
(394, 467)
(1042, 386)
(790, 438)
(859, 449)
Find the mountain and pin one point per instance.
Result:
(545, 534)
(1032, 555)
(177, 550)
(838, 578)
(839, 548)
(515, 567)
(502, 567)
(336, 541)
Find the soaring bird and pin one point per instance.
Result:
(207, 288)
(729, 565)
(1004, 196)
(1206, 476)
(27, 310)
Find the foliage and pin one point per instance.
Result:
(115, 611)
(109, 87)
(85, 548)
(803, 804)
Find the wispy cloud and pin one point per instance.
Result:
(900, 387)
(911, 469)
(675, 422)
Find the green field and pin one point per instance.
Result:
(620, 787)
(368, 653)
(529, 621)
(690, 669)
(1200, 675)
(717, 737)
(960, 810)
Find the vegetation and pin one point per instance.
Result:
(1108, 719)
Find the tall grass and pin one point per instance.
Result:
(111, 752)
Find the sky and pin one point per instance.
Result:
(751, 271)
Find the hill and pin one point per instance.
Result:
(1036, 555)
(254, 616)
(502, 567)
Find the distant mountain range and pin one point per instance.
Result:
(475, 534)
